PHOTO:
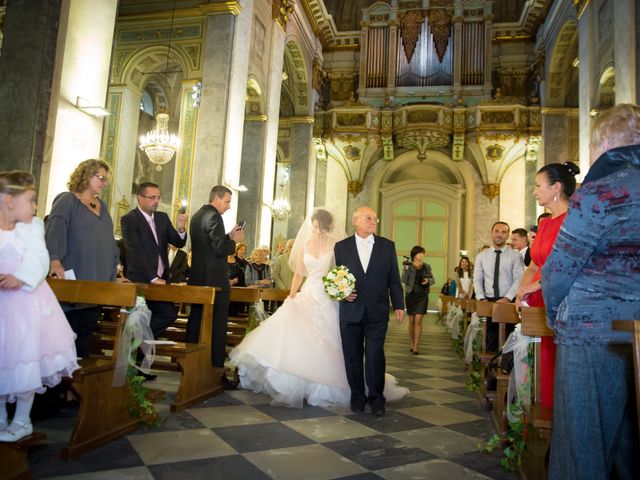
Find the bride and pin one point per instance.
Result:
(296, 354)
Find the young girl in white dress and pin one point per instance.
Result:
(296, 354)
(36, 343)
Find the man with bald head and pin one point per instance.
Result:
(364, 315)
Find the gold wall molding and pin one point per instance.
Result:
(256, 118)
(221, 8)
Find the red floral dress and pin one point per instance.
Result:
(540, 250)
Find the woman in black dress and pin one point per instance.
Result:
(417, 278)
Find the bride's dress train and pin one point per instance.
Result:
(296, 354)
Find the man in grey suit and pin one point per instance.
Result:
(210, 246)
(364, 316)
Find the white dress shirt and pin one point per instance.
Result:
(365, 246)
(511, 270)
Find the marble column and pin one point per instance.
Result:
(300, 156)
(624, 35)
(251, 172)
(586, 85)
(218, 137)
(85, 40)
(26, 75)
(120, 143)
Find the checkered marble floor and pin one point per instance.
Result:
(436, 432)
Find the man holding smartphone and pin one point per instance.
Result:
(210, 246)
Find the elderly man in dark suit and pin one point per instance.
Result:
(210, 246)
(147, 234)
(364, 316)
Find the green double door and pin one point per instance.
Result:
(425, 222)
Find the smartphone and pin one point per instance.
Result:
(534, 228)
(183, 209)
(241, 224)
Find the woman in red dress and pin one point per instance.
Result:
(555, 183)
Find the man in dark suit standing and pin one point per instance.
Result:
(210, 246)
(178, 265)
(147, 234)
(364, 315)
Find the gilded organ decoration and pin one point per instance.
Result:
(422, 140)
(422, 116)
(351, 120)
(410, 25)
(457, 152)
(351, 153)
(440, 22)
(341, 87)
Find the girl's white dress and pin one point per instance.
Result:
(36, 343)
(296, 353)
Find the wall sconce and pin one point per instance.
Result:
(93, 110)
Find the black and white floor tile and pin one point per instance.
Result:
(436, 432)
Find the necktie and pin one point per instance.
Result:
(496, 275)
(152, 224)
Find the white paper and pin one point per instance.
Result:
(69, 275)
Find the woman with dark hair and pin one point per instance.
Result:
(464, 282)
(79, 236)
(417, 278)
(555, 183)
(591, 278)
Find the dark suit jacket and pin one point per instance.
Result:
(179, 268)
(141, 247)
(527, 257)
(210, 246)
(373, 287)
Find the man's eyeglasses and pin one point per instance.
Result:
(102, 178)
(370, 219)
(154, 197)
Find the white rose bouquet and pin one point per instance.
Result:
(339, 282)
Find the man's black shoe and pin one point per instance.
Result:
(358, 406)
(378, 410)
(148, 377)
(228, 384)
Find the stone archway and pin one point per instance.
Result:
(563, 67)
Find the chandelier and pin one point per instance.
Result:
(159, 144)
(281, 208)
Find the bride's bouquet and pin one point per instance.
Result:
(339, 282)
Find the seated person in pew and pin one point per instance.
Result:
(497, 276)
(147, 234)
(554, 184)
(178, 265)
(79, 236)
(591, 278)
(258, 272)
(36, 342)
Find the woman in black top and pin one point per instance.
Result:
(417, 278)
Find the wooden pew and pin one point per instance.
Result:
(198, 379)
(484, 310)
(535, 461)
(273, 298)
(13, 457)
(104, 410)
(503, 314)
(237, 325)
(633, 326)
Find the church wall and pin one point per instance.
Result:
(511, 196)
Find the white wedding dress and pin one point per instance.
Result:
(296, 354)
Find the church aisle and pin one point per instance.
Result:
(435, 432)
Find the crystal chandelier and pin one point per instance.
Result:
(159, 144)
(281, 208)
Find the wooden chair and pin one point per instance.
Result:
(198, 379)
(503, 314)
(104, 410)
(237, 325)
(633, 326)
